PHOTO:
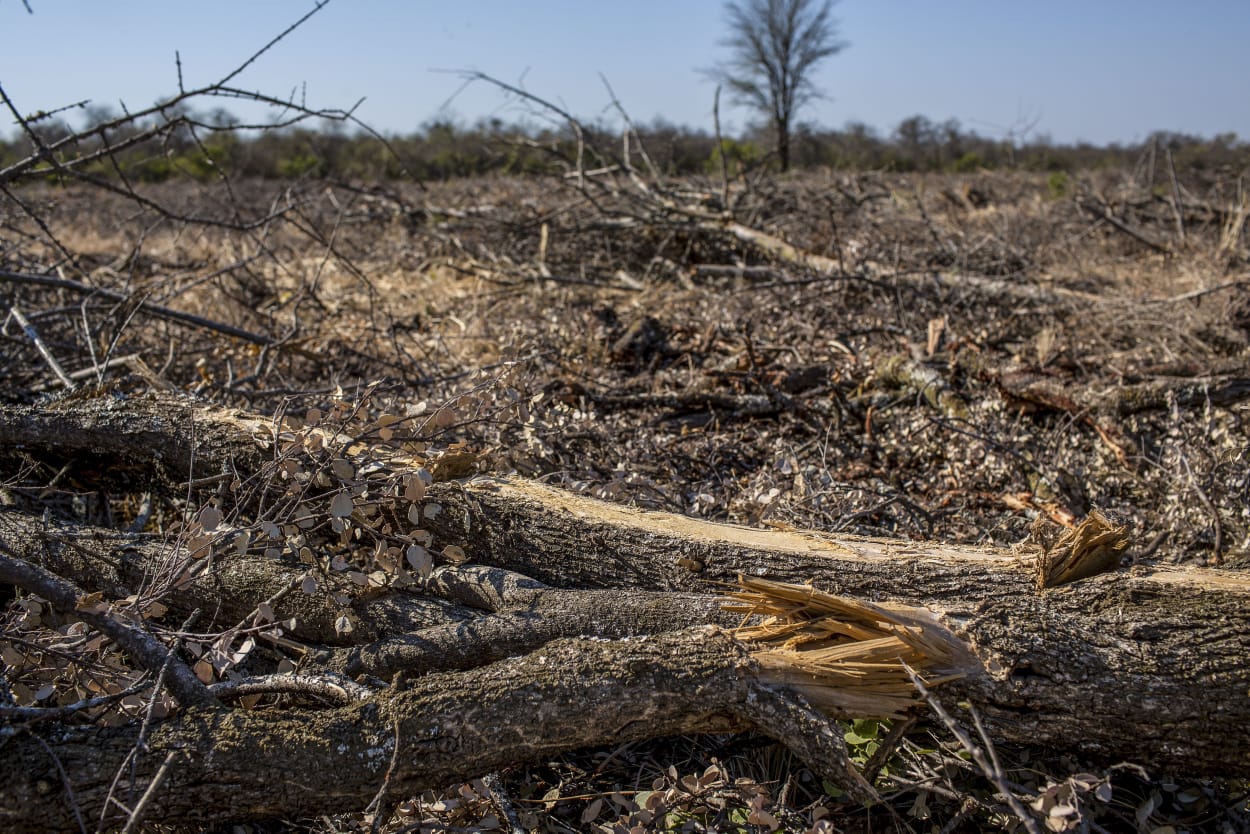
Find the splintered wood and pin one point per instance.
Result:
(848, 658)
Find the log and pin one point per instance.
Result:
(489, 664)
(1145, 663)
(165, 436)
(243, 764)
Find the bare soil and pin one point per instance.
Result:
(972, 359)
(1070, 365)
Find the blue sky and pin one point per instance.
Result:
(1098, 70)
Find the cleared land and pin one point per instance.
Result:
(981, 361)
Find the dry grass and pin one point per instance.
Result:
(429, 292)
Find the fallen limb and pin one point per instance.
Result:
(241, 764)
(924, 381)
(144, 306)
(159, 435)
(1103, 211)
(1138, 664)
(1120, 400)
(146, 650)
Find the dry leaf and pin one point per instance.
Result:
(209, 518)
(592, 810)
(341, 506)
(414, 488)
(764, 818)
(420, 560)
(88, 601)
(204, 671)
(199, 546)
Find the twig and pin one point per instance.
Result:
(1103, 212)
(503, 802)
(631, 130)
(1217, 549)
(376, 806)
(144, 306)
(720, 147)
(337, 688)
(157, 779)
(33, 335)
(990, 769)
(133, 361)
(33, 714)
(147, 651)
(65, 782)
(1176, 198)
(886, 748)
(1192, 294)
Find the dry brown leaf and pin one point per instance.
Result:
(341, 506)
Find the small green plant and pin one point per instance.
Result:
(1058, 186)
(863, 738)
(738, 156)
(968, 163)
(298, 165)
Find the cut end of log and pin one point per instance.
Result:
(1094, 546)
(846, 657)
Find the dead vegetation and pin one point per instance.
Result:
(975, 359)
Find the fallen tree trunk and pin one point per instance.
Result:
(240, 764)
(1146, 664)
(1059, 648)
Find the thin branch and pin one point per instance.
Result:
(33, 335)
(157, 779)
(321, 4)
(143, 306)
(35, 714)
(990, 769)
(338, 688)
(147, 651)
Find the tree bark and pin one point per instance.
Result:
(1140, 663)
(1144, 664)
(241, 764)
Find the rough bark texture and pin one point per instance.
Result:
(239, 764)
(1142, 664)
(227, 591)
(139, 438)
(1146, 665)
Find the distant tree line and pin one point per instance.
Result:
(445, 149)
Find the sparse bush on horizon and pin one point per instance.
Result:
(445, 149)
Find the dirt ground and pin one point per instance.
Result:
(989, 350)
(973, 359)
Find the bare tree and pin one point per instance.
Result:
(774, 45)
